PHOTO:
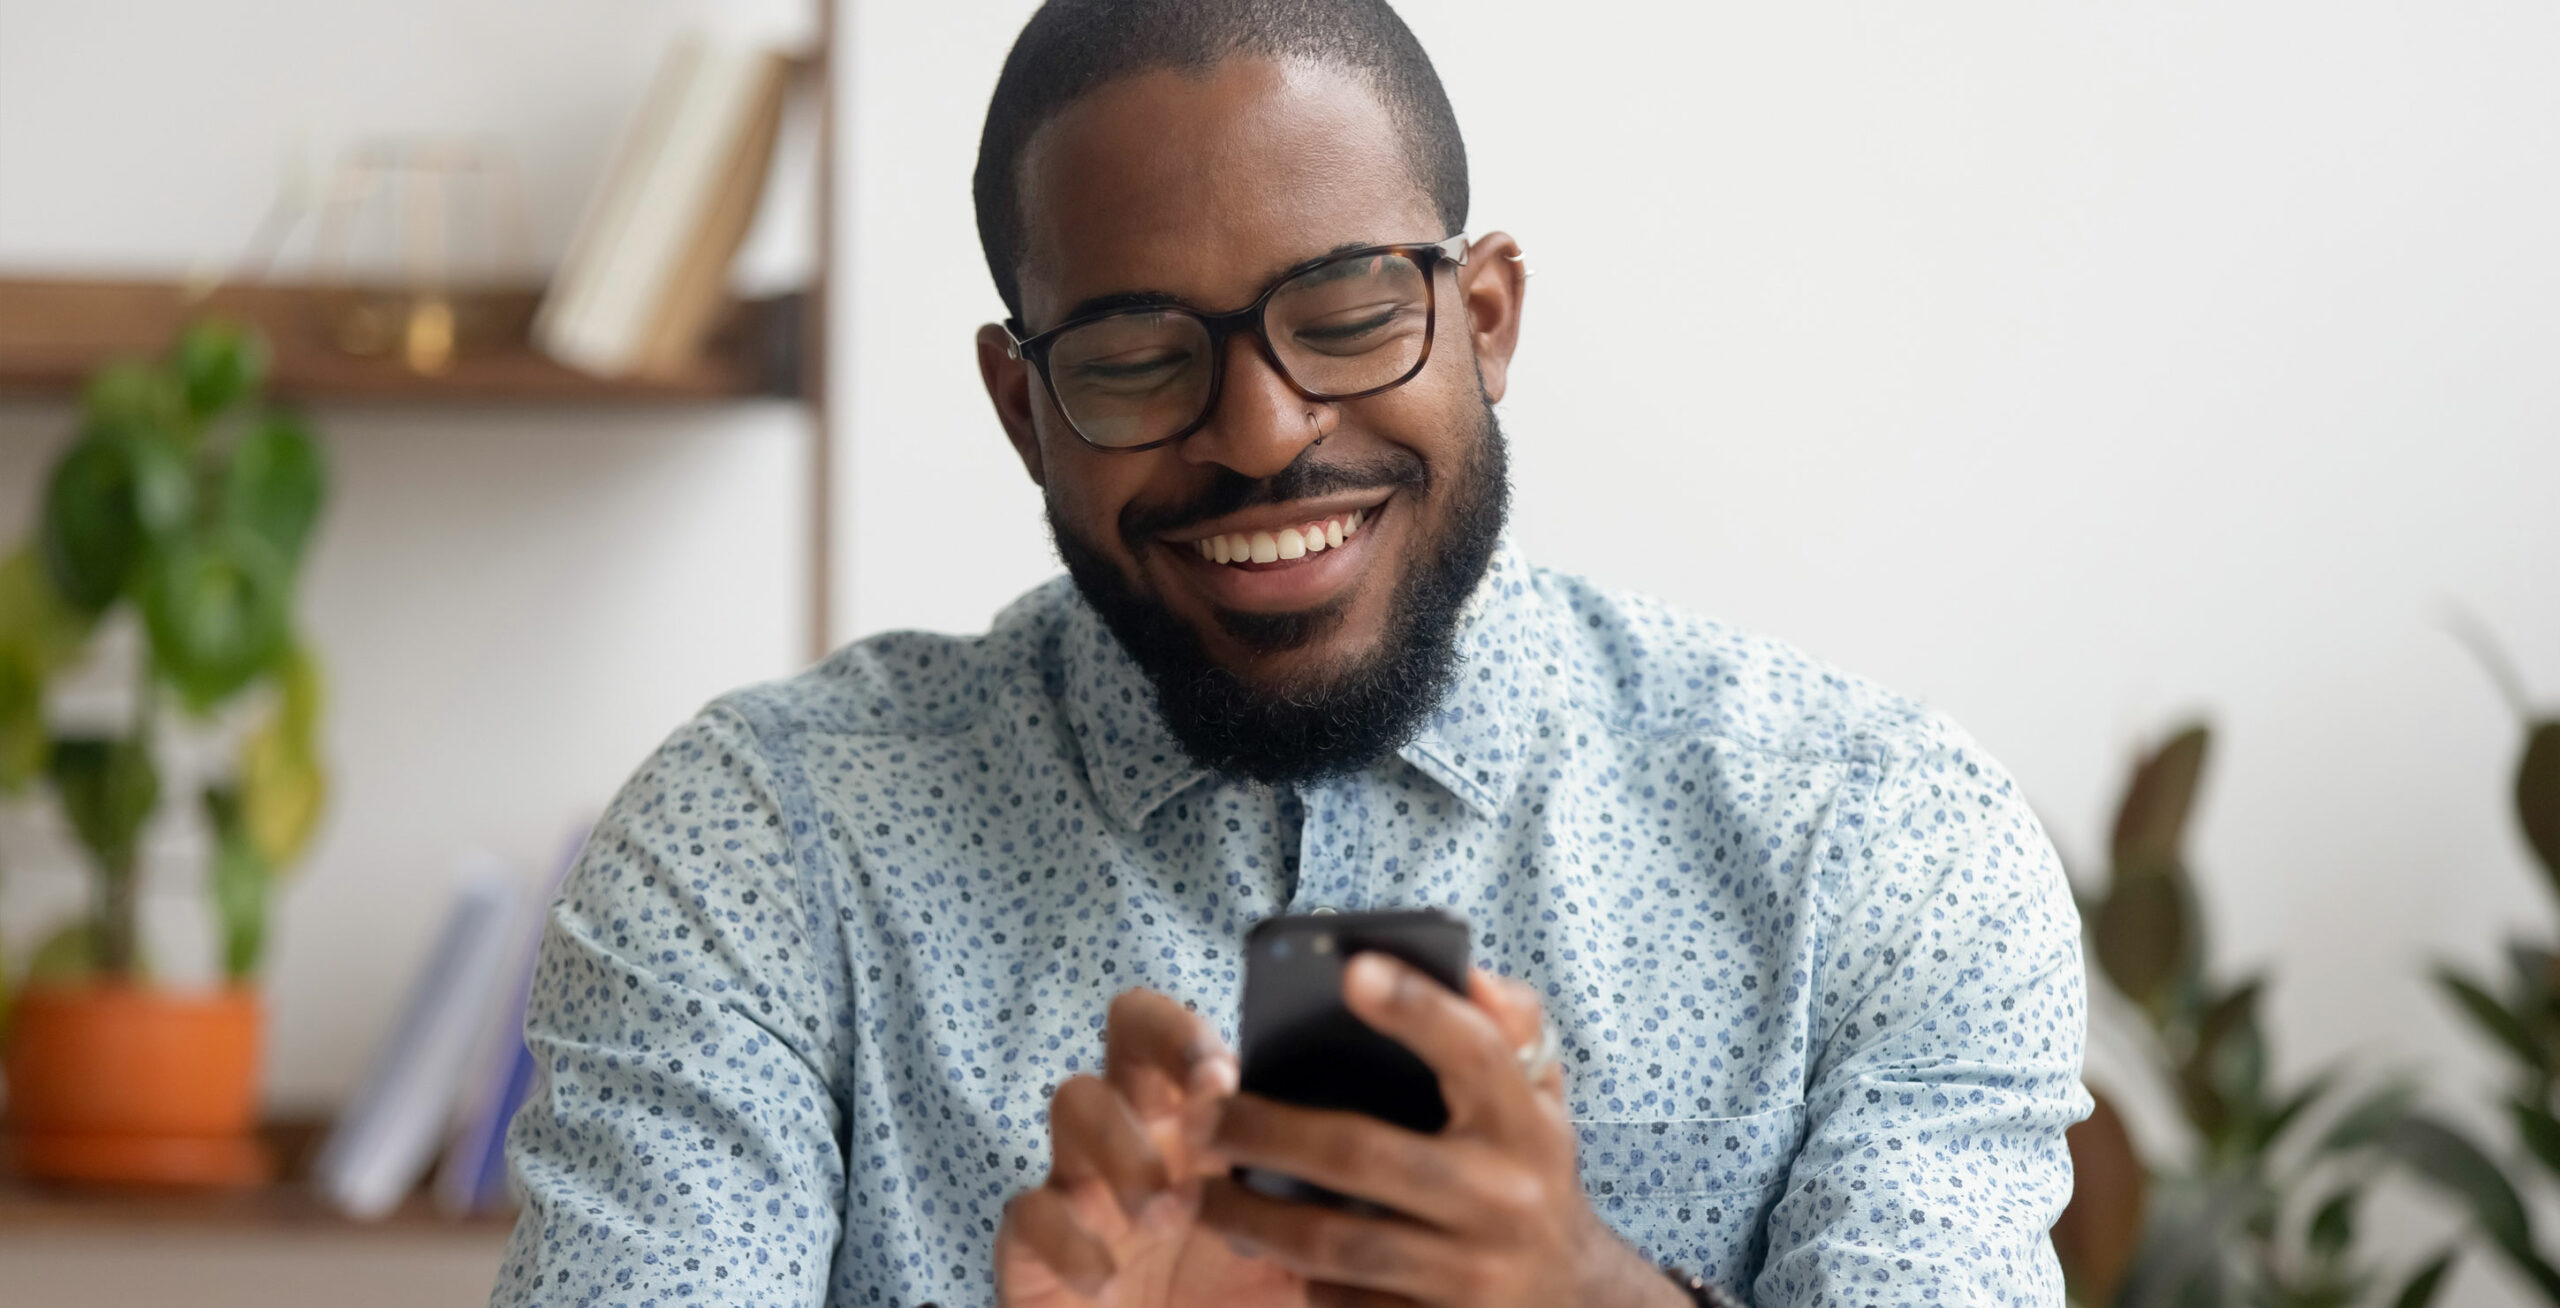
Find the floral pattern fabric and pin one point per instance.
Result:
(802, 1004)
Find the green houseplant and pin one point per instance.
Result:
(182, 506)
(2260, 1205)
(2519, 1012)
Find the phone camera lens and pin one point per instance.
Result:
(1279, 949)
(1321, 944)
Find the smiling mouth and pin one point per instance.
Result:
(1287, 544)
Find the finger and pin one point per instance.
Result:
(1479, 1074)
(1042, 1224)
(1322, 1295)
(1213, 1084)
(1321, 1244)
(1432, 1179)
(1094, 1136)
(1522, 1020)
(1515, 1008)
(1152, 1048)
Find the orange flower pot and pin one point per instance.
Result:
(128, 1085)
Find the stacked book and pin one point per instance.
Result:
(646, 274)
(455, 1067)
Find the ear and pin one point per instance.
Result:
(1492, 283)
(1009, 383)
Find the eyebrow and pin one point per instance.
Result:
(1118, 300)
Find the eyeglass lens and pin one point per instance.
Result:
(1337, 330)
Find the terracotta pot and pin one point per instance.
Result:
(128, 1085)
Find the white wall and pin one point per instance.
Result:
(2073, 367)
(515, 603)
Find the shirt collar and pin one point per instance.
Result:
(1470, 745)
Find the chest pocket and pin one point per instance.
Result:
(1694, 1192)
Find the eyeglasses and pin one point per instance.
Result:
(1341, 327)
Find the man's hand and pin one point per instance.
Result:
(1113, 1223)
(1493, 1208)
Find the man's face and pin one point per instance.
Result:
(1205, 189)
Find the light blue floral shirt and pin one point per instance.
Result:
(802, 1004)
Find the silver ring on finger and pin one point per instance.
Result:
(1544, 1053)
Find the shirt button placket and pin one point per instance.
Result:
(1329, 852)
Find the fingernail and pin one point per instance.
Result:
(1213, 1076)
(1160, 1212)
(1374, 979)
(1242, 1248)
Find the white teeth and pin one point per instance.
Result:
(1286, 544)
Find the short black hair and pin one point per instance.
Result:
(1071, 48)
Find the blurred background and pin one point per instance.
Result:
(2083, 370)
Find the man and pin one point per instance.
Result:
(913, 978)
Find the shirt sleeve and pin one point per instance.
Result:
(682, 1142)
(1948, 1019)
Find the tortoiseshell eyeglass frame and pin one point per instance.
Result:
(1426, 256)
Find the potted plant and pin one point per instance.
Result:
(181, 509)
(2259, 1200)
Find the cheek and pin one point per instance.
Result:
(1434, 415)
(1087, 490)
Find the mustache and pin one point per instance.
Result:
(1394, 468)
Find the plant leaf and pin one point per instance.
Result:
(2151, 823)
(91, 537)
(297, 674)
(2538, 794)
(282, 791)
(2539, 1130)
(216, 607)
(218, 364)
(2227, 1067)
(108, 789)
(275, 483)
(2369, 1120)
(33, 616)
(24, 744)
(2446, 1157)
(135, 392)
(2333, 1227)
(2143, 934)
(2272, 1126)
(2491, 1016)
(2100, 1230)
(2420, 1289)
(241, 877)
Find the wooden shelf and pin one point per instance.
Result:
(289, 1204)
(53, 334)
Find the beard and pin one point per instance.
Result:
(1334, 720)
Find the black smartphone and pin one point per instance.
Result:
(1302, 1046)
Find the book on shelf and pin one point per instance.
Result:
(647, 270)
(382, 1143)
(473, 1176)
(453, 1071)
